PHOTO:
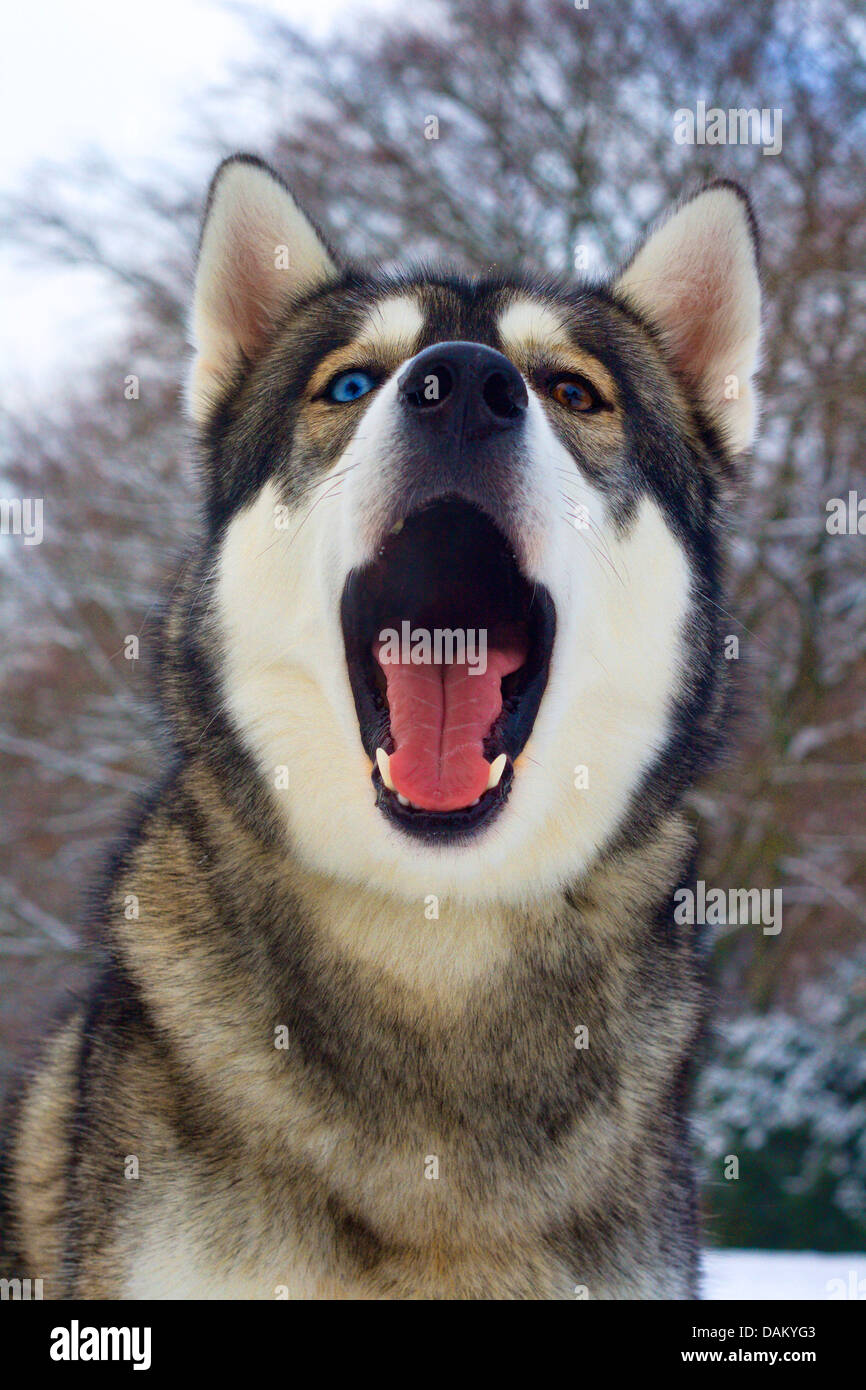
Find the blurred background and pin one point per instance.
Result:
(554, 148)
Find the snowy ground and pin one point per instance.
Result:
(760, 1274)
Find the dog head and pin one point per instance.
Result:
(467, 538)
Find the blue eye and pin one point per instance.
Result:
(350, 386)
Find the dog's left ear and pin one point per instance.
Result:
(258, 252)
(695, 279)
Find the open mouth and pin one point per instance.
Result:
(448, 649)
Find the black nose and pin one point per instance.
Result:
(464, 387)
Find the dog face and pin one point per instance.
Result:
(467, 534)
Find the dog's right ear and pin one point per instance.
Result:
(258, 252)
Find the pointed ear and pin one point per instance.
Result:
(258, 251)
(695, 279)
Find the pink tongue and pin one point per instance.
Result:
(440, 716)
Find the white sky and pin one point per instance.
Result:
(84, 75)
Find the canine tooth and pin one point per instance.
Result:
(385, 768)
(403, 800)
(497, 767)
(396, 528)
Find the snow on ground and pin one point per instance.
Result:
(790, 1274)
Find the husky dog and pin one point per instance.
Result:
(393, 1001)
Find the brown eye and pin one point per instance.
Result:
(573, 393)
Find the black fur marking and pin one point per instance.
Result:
(12, 1258)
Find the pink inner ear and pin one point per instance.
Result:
(247, 286)
(698, 326)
